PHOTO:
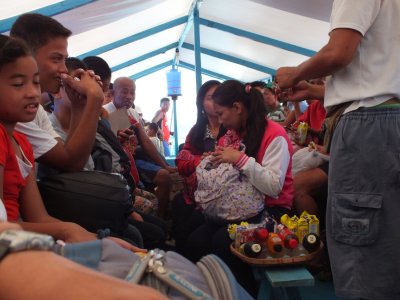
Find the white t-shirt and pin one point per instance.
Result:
(158, 144)
(373, 75)
(40, 133)
(89, 166)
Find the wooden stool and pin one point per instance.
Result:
(282, 282)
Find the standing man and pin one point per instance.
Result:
(161, 120)
(362, 57)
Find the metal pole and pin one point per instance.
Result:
(174, 98)
(197, 51)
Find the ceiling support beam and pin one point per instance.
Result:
(205, 71)
(257, 37)
(151, 70)
(144, 57)
(135, 37)
(50, 10)
(232, 59)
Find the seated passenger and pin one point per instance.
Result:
(121, 115)
(201, 139)
(266, 162)
(19, 101)
(153, 134)
(47, 40)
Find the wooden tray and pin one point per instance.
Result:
(264, 260)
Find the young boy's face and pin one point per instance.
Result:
(19, 91)
(151, 132)
(165, 106)
(51, 62)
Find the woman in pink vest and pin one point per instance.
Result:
(267, 159)
(266, 162)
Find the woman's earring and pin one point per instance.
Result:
(202, 112)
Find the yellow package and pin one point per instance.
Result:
(302, 131)
(302, 228)
(284, 219)
(292, 226)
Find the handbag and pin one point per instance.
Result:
(168, 272)
(93, 199)
(225, 194)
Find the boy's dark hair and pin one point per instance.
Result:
(153, 126)
(260, 84)
(99, 66)
(73, 63)
(164, 100)
(232, 91)
(11, 49)
(37, 30)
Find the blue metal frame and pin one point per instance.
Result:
(197, 47)
(144, 57)
(151, 70)
(232, 59)
(189, 23)
(135, 37)
(187, 28)
(174, 106)
(205, 71)
(51, 10)
(257, 37)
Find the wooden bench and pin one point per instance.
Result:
(282, 282)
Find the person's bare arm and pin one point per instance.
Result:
(158, 116)
(86, 99)
(335, 55)
(51, 276)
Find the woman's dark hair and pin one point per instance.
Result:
(198, 131)
(11, 49)
(232, 91)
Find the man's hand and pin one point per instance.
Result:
(286, 77)
(171, 169)
(79, 90)
(124, 134)
(298, 93)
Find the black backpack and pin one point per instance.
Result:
(95, 200)
(102, 158)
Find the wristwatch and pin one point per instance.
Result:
(19, 240)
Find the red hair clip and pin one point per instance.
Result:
(247, 88)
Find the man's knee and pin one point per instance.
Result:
(162, 177)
